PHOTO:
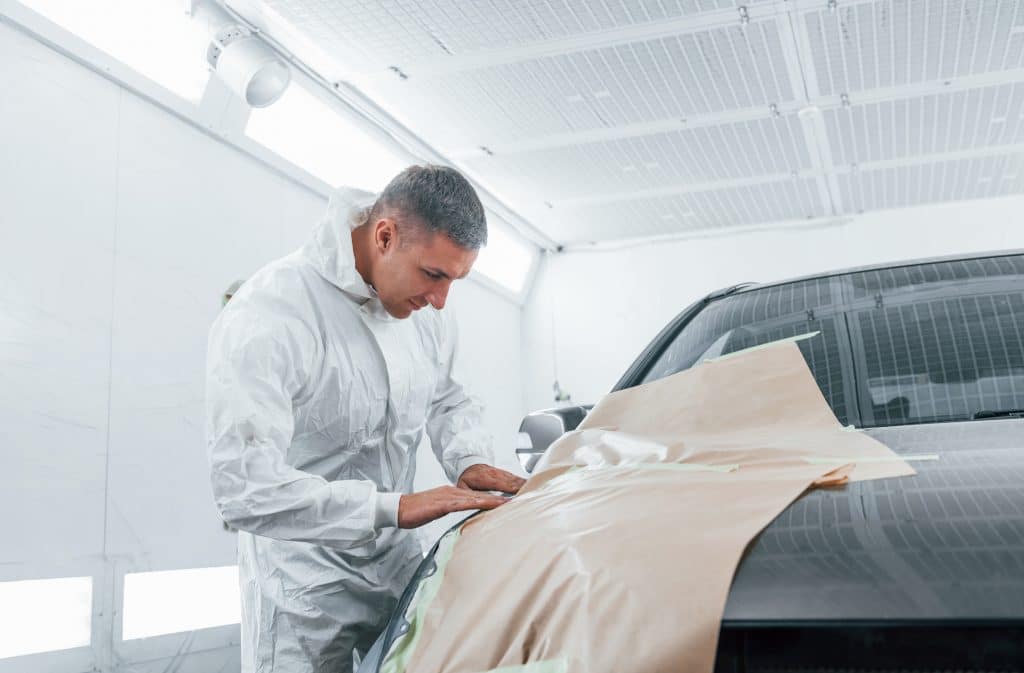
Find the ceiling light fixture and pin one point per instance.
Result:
(248, 66)
(808, 112)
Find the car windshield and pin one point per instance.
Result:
(941, 341)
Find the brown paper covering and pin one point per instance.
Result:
(625, 565)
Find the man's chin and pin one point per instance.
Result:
(400, 312)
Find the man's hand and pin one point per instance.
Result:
(416, 509)
(482, 477)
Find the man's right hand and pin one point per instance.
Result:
(416, 509)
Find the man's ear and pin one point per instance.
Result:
(385, 235)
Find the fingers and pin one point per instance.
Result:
(511, 483)
(503, 481)
(416, 509)
(488, 478)
(475, 500)
(506, 482)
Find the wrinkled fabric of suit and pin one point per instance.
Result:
(317, 400)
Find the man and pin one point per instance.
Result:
(325, 372)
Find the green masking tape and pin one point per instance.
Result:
(397, 659)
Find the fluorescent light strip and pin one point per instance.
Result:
(45, 615)
(173, 601)
(154, 37)
(311, 134)
(506, 259)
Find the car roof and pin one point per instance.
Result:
(747, 287)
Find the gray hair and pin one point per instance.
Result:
(442, 199)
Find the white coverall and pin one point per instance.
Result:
(317, 400)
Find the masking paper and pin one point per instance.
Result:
(618, 553)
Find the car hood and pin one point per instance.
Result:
(946, 544)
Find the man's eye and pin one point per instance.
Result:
(433, 276)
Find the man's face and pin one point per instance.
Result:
(420, 271)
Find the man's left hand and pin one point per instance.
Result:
(482, 477)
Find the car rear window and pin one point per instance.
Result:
(924, 343)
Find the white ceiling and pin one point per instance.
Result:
(610, 119)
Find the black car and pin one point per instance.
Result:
(922, 573)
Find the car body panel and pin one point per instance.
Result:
(945, 544)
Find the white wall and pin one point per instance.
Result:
(120, 227)
(607, 306)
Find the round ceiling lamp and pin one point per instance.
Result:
(248, 66)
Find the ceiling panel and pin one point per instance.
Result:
(898, 42)
(627, 118)
(897, 187)
(955, 121)
(789, 199)
(404, 31)
(694, 73)
(762, 147)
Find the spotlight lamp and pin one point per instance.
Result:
(247, 65)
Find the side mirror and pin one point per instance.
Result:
(540, 429)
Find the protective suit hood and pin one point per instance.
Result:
(330, 249)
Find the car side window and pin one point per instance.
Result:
(760, 316)
(923, 343)
(941, 341)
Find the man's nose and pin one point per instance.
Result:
(439, 296)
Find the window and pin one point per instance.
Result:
(45, 615)
(761, 316)
(308, 132)
(154, 37)
(506, 259)
(172, 601)
(940, 342)
(918, 344)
